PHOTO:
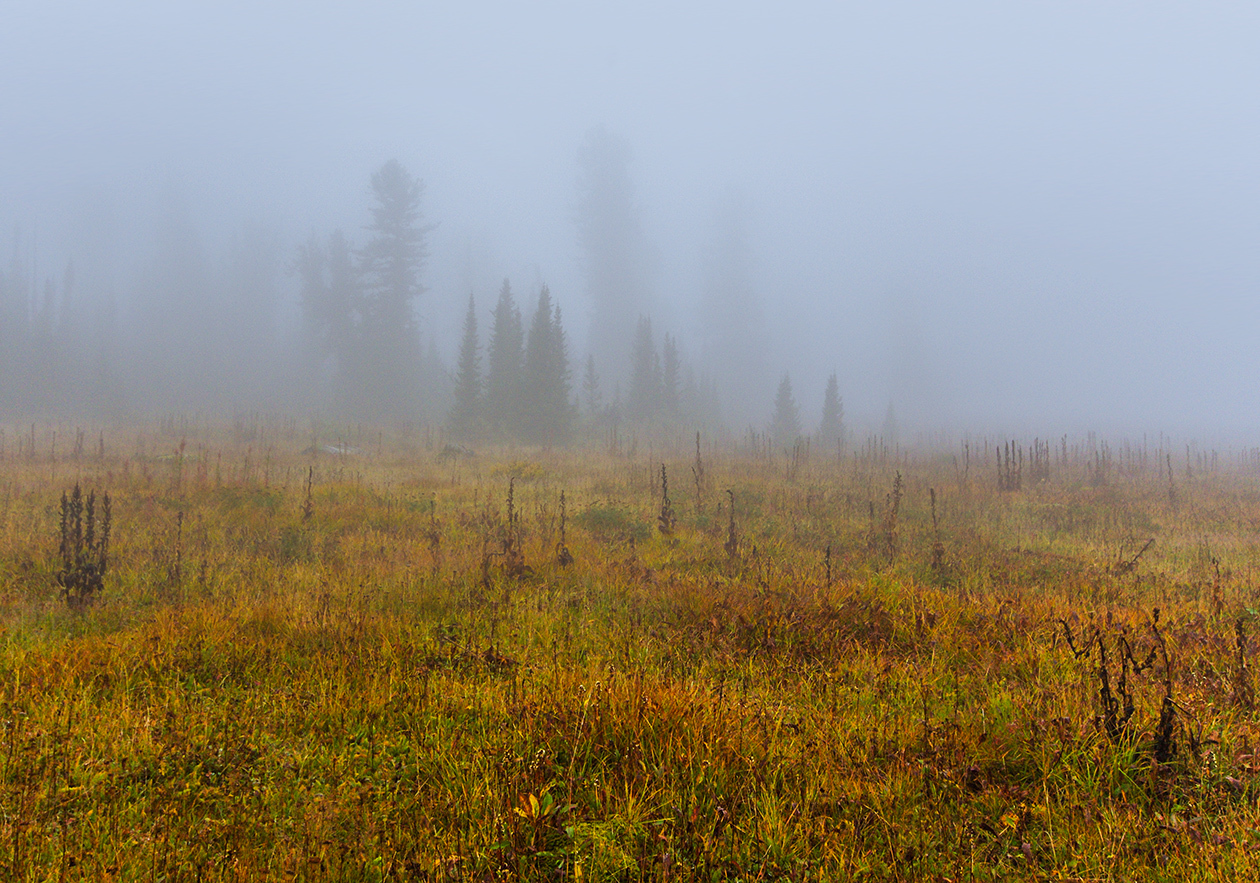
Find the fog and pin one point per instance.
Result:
(1033, 217)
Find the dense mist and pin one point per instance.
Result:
(536, 222)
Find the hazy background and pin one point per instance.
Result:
(1026, 217)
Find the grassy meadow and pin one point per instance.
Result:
(390, 664)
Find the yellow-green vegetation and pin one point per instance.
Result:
(393, 665)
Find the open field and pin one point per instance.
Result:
(387, 665)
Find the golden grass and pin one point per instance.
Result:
(366, 694)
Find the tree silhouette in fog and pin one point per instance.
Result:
(785, 427)
(734, 330)
(546, 410)
(505, 358)
(643, 398)
(831, 427)
(331, 307)
(592, 395)
(613, 248)
(465, 416)
(359, 307)
(390, 264)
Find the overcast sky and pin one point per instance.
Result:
(1039, 217)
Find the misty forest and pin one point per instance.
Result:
(232, 335)
(672, 442)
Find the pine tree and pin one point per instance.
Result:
(546, 377)
(831, 427)
(590, 388)
(390, 264)
(345, 302)
(505, 359)
(785, 428)
(465, 416)
(614, 253)
(671, 367)
(537, 374)
(891, 432)
(560, 406)
(644, 395)
(395, 255)
(330, 301)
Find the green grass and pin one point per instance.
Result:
(367, 695)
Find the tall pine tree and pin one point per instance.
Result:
(785, 428)
(831, 427)
(590, 388)
(671, 366)
(465, 416)
(331, 305)
(505, 357)
(644, 395)
(390, 264)
(547, 380)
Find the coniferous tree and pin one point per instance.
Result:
(671, 365)
(546, 377)
(890, 432)
(560, 406)
(465, 416)
(344, 310)
(329, 296)
(438, 383)
(390, 264)
(643, 397)
(537, 374)
(613, 248)
(831, 427)
(590, 388)
(733, 337)
(505, 358)
(785, 428)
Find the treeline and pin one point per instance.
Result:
(47, 355)
(523, 389)
(219, 334)
(664, 391)
(192, 333)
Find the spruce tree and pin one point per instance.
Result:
(785, 428)
(546, 377)
(614, 253)
(465, 416)
(537, 374)
(560, 406)
(390, 265)
(590, 388)
(831, 427)
(671, 367)
(644, 395)
(330, 299)
(890, 433)
(505, 359)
